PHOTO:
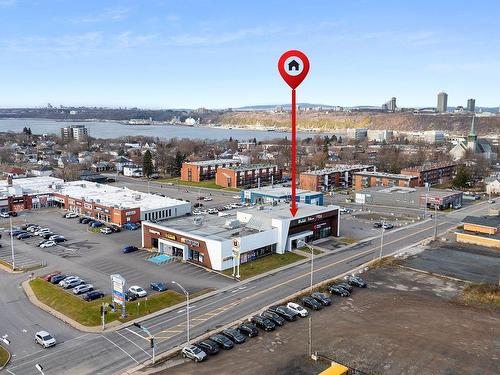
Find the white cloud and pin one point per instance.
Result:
(107, 15)
(130, 39)
(7, 3)
(56, 44)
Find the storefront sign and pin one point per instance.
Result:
(189, 242)
(78, 203)
(154, 232)
(87, 206)
(301, 221)
(317, 226)
(71, 201)
(118, 284)
(170, 236)
(129, 213)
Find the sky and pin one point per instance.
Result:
(220, 54)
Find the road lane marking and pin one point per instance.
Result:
(133, 343)
(137, 334)
(123, 350)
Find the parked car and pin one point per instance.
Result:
(335, 289)
(249, 329)
(311, 303)
(57, 278)
(71, 215)
(23, 236)
(95, 294)
(285, 313)
(48, 235)
(84, 220)
(4, 214)
(377, 224)
(26, 226)
(200, 198)
(67, 280)
(44, 339)
(48, 244)
(130, 226)
(96, 224)
(33, 229)
(263, 323)
(159, 286)
(115, 228)
(208, 346)
(197, 204)
(83, 288)
(322, 298)
(346, 286)
(129, 249)
(222, 341)
(273, 317)
(235, 335)
(50, 276)
(71, 284)
(106, 230)
(356, 281)
(130, 296)
(301, 311)
(41, 230)
(194, 353)
(207, 199)
(213, 211)
(138, 291)
(16, 232)
(59, 239)
(387, 226)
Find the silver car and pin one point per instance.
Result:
(194, 353)
(83, 288)
(45, 339)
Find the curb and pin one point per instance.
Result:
(8, 359)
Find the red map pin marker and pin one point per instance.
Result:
(293, 66)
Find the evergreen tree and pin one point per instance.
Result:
(147, 163)
(462, 178)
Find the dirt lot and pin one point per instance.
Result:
(405, 323)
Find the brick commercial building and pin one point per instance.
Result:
(202, 170)
(328, 179)
(102, 202)
(371, 179)
(220, 242)
(247, 176)
(435, 173)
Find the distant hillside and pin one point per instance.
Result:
(451, 123)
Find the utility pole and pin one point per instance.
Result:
(381, 241)
(310, 336)
(435, 222)
(187, 308)
(12, 244)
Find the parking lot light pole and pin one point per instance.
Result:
(151, 339)
(187, 307)
(12, 245)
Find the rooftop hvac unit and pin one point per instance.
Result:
(197, 220)
(83, 185)
(232, 224)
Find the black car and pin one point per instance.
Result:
(23, 236)
(346, 286)
(48, 235)
(84, 220)
(377, 225)
(55, 279)
(197, 204)
(321, 298)
(235, 335)
(263, 323)
(273, 317)
(59, 239)
(249, 329)
(284, 312)
(311, 303)
(130, 296)
(115, 228)
(27, 225)
(90, 296)
(208, 346)
(335, 289)
(356, 281)
(222, 341)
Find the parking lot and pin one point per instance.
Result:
(95, 256)
(388, 328)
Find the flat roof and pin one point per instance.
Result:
(206, 163)
(338, 168)
(114, 196)
(213, 226)
(410, 190)
(31, 185)
(428, 167)
(280, 191)
(251, 167)
(387, 175)
(487, 221)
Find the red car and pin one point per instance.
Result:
(49, 276)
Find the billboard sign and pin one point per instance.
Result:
(118, 288)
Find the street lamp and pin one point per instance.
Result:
(382, 240)
(187, 307)
(302, 243)
(39, 368)
(12, 244)
(150, 337)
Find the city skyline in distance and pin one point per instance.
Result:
(119, 54)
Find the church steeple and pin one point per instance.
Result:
(472, 137)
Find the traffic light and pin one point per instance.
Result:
(137, 325)
(152, 342)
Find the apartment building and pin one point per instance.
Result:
(370, 179)
(202, 170)
(434, 173)
(328, 179)
(248, 176)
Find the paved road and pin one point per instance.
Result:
(111, 353)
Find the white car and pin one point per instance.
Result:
(296, 308)
(41, 231)
(75, 282)
(207, 199)
(4, 214)
(67, 280)
(49, 243)
(194, 353)
(137, 291)
(70, 215)
(213, 211)
(83, 288)
(45, 339)
(105, 230)
(196, 212)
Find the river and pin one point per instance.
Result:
(109, 130)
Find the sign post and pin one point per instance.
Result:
(236, 258)
(118, 288)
